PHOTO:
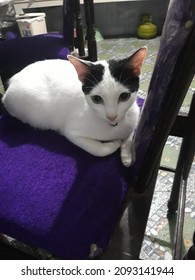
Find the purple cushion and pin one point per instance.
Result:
(55, 195)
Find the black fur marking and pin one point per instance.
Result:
(95, 76)
(124, 74)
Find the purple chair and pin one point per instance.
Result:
(58, 197)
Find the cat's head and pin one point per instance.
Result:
(110, 87)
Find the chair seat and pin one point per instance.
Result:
(53, 194)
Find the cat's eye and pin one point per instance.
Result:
(124, 96)
(97, 99)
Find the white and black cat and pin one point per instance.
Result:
(92, 104)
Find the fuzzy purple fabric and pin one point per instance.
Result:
(55, 195)
(35, 48)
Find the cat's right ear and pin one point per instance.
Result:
(82, 67)
(136, 60)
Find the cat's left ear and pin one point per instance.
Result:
(136, 60)
(82, 67)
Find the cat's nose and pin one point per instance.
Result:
(112, 117)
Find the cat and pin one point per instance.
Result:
(91, 104)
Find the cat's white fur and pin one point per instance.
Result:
(48, 95)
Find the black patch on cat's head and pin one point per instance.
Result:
(94, 77)
(123, 74)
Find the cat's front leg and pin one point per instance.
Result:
(95, 147)
(128, 151)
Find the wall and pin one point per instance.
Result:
(114, 19)
(122, 18)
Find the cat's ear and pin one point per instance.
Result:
(82, 67)
(136, 60)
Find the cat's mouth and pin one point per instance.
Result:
(114, 124)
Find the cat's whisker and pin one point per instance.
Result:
(88, 79)
(94, 77)
(120, 77)
(90, 88)
(126, 80)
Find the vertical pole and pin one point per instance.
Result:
(68, 23)
(90, 21)
(79, 29)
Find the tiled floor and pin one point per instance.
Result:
(159, 233)
(158, 241)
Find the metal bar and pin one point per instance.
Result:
(79, 29)
(90, 21)
(177, 253)
(165, 168)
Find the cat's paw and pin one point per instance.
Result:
(126, 159)
(127, 154)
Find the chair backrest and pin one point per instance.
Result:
(173, 73)
(170, 81)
